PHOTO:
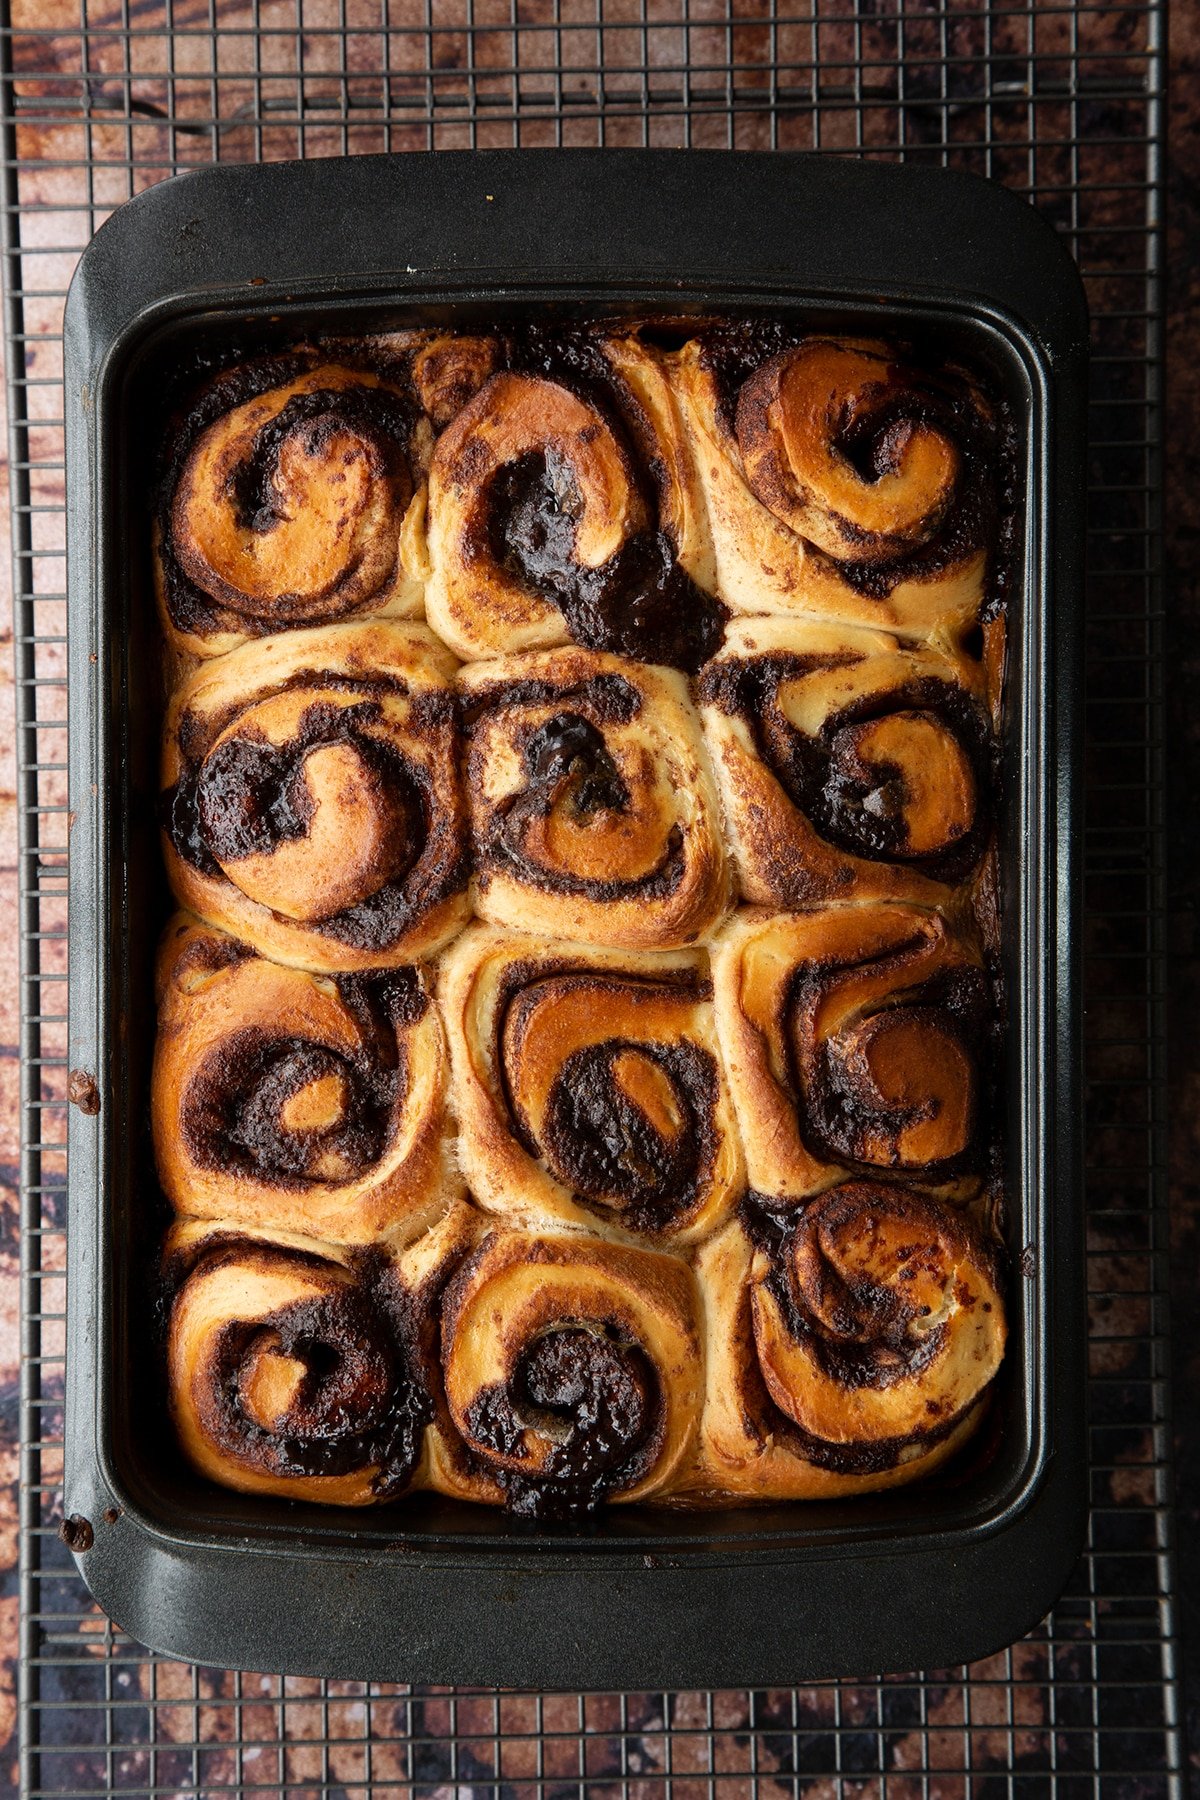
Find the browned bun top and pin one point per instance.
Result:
(288, 483)
(572, 1369)
(290, 1373)
(311, 797)
(878, 1321)
(559, 510)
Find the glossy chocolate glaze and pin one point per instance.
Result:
(871, 1346)
(976, 517)
(594, 1138)
(839, 1108)
(595, 1395)
(858, 809)
(249, 796)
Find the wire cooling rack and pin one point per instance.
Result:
(1062, 102)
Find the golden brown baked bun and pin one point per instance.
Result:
(297, 1102)
(311, 797)
(564, 507)
(839, 482)
(856, 1038)
(588, 1086)
(850, 768)
(593, 809)
(572, 1371)
(295, 497)
(851, 1341)
(301, 1370)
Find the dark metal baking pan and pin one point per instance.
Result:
(430, 1590)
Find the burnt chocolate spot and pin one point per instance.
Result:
(595, 1396)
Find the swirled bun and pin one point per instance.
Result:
(296, 498)
(594, 814)
(295, 1369)
(572, 1371)
(839, 481)
(851, 767)
(588, 1086)
(293, 1101)
(852, 1341)
(857, 1039)
(564, 507)
(311, 799)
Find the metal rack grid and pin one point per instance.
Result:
(101, 98)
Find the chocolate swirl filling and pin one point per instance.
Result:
(380, 419)
(898, 1084)
(296, 1111)
(849, 779)
(868, 1321)
(627, 1123)
(568, 771)
(594, 1396)
(324, 1386)
(872, 437)
(245, 796)
(640, 602)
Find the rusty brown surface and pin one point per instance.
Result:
(584, 1738)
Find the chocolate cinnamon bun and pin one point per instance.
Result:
(564, 507)
(840, 480)
(851, 1343)
(857, 1038)
(588, 1086)
(294, 496)
(297, 1102)
(572, 1372)
(850, 768)
(593, 809)
(294, 1368)
(310, 796)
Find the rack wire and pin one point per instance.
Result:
(1064, 102)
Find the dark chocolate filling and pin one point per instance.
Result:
(248, 796)
(567, 764)
(857, 807)
(358, 1403)
(838, 1110)
(596, 1395)
(604, 1147)
(641, 603)
(871, 1344)
(596, 1140)
(385, 418)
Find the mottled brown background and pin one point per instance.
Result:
(1183, 492)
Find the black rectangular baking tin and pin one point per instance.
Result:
(433, 1590)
